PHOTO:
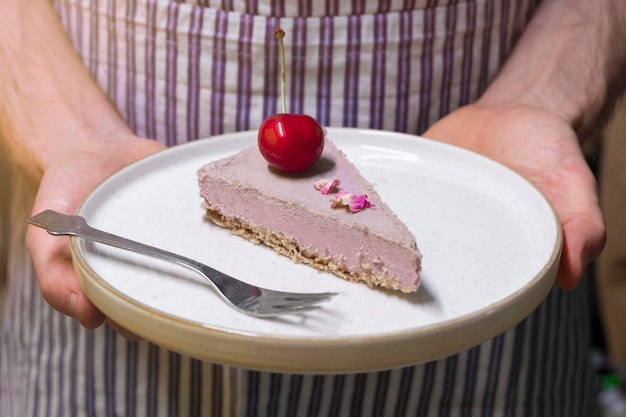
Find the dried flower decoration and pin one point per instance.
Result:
(355, 203)
(326, 185)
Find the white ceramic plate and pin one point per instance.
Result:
(491, 245)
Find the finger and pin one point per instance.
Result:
(52, 261)
(53, 265)
(584, 238)
(575, 200)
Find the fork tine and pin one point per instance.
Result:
(281, 309)
(310, 297)
(273, 303)
(294, 299)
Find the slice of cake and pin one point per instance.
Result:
(328, 216)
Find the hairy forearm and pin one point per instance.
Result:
(50, 104)
(570, 61)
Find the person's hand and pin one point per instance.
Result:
(65, 183)
(544, 149)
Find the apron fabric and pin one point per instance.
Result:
(179, 71)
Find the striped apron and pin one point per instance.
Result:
(178, 71)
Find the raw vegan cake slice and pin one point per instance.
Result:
(328, 217)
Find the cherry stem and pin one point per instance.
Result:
(280, 34)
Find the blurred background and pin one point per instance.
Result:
(609, 271)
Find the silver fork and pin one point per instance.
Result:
(245, 298)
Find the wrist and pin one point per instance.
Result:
(50, 104)
(564, 64)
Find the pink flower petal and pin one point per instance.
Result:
(354, 203)
(359, 202)
(326, 185)
(341, 199)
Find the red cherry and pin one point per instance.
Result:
(291, 142)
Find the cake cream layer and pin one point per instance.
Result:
(287, 213)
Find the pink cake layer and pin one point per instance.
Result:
(372, 245)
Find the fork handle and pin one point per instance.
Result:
(56, 223)
(96, 235)
(214, 276)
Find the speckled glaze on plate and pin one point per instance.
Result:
(491, 245)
